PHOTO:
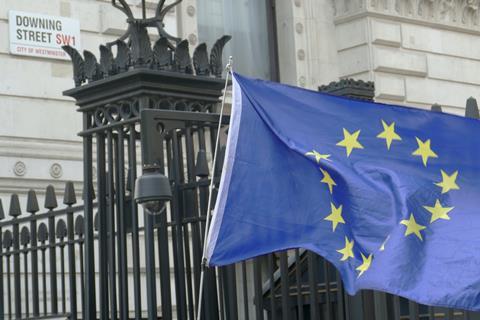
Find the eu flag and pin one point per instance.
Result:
(390, 195)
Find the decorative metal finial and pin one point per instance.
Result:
(134, 50)
(155, 22)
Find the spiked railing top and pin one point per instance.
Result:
(168, 52)
(436, 107)
(69, 197)
(32, 202)
(50, 198)
(472, 109)
(201, 167)
(15, 210)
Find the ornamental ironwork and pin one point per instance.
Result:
(134, 49)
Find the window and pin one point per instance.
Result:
(248, 23)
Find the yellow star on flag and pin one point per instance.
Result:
(413, 227)
(365, 264)
(327, 179)
(318, 156)
(424, 151)
(439, 212)
(388, 134)
(335, 216)
(347, 251)
(448, 182)
(350, 141)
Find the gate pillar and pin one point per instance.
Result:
(110, 92)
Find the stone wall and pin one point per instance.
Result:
(306, 39)
(417, 52)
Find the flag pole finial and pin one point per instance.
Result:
(229, 66)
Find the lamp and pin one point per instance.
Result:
(152, 191)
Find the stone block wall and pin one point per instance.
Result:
(417, 52)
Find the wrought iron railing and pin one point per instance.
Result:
(41, 257)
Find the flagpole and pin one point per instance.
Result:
(228, 68)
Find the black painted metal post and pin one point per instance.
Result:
(42, 238)
(163, 251)
(180, 285)
(32, 207)
(380, 300)
(61, 234)
(111, 226)
(79, 231)
(90, 303)
(298, 280)
(245, 291)
(2, 299)
(285, 286)
(202, 171)
(257, 282)
(149, 236)
(312, 283)
(271, 271)
(70, 199)
(7, 244)
(230, 291)
(16, 212)
(50, 204)
(326, 276)
(340, 298)
(132, 165)
(191, 211)
(183, 208)
(396, 308)
(413, 310)
(150, 267)
(102, 228)
(368, 306)
(25, 241)
(122, 241)
(220, 293)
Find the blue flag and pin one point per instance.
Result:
(390, 195)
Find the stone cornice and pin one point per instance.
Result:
(454, 14)
(40, 148)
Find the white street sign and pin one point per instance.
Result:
(39, 35)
